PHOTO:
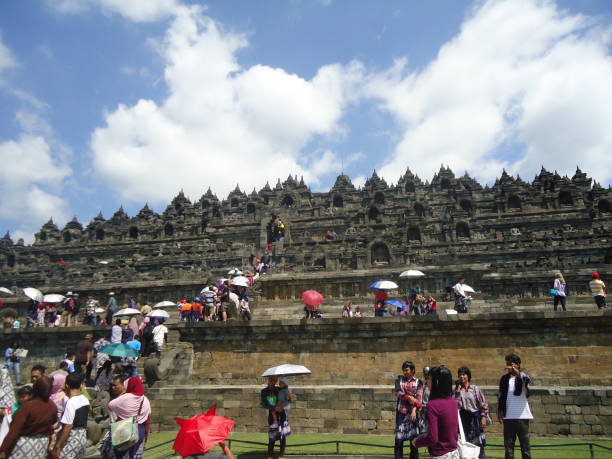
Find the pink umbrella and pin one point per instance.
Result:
(312, 298)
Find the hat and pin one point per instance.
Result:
(68, 293)
(111, 293)
(595, 275)
(75, 294)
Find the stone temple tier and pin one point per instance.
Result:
(506, 238)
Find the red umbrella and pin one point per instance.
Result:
(312, 298)
(200, 433)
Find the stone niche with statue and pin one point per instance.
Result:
(510, 236)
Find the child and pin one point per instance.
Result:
(282, 403)
(70, 361)
(358, 312)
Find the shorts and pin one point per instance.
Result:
(600, 301)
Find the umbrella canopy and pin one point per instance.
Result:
(312, 298)
(235, 272)
(383, 285)
(53, 298)
(286, 369)
(468, 289)
(200, 433)
(99, 310)
(119, 350)
(164, 304)
(240, 281)
(33, 293)
(450, 312)
(127, 312)
(397, 304)
(412, 273)
(159, 313)
(5, 290)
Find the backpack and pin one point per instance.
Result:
(147, 333)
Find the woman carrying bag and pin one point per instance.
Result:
(132, 404)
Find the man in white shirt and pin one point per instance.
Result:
(159, 337)
(72, 439)
(460, 296)
(513, 408)
(116, 332)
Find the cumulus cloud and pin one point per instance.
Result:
(7, 61)
(134, 10)
(521, 76)
(221, 123)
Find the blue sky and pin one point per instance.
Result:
(106, 102)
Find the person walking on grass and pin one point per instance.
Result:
(513, 408)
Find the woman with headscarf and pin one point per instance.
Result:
(133, 404)
(58, 396)
(133, 325)
(32, 425)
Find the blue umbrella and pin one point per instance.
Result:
(397, 304)
(383, 285)
(119, 350)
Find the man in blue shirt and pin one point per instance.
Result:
(11, 361)
(111, 306)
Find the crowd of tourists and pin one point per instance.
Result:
(435, 412)
(48, 417)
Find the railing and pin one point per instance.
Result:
(592, 446)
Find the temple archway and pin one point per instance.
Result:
(216, 212)
(514, 202)
(466, 205)
(133, 232)
(250, 208)
(565, 198)
(100, 234)
(338, 201)
(445, 184)
(42, 236)
(414, 233)
(603, 206)
(379, 198)
(287, 201)
(380, 253)
(462, 230)
(419, 210)
(409, 187)
(373, 213)
(234, 202)
(168, 230)
(67, 237)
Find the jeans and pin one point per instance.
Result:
(281, 452)
(559, 299)
(16, 369)
(399, 450)
(516, 428)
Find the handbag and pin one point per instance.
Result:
(466, 450)
(554, 292)
(124, 433)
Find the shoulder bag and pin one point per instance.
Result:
(124, 433)
(466, 450)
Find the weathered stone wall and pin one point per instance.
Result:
(564, 349)
(583, 412)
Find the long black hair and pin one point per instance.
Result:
(441, 382)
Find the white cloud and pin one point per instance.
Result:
(7, 61)
(30, 180)
(221, 124)
(519, 72)
(133, 10)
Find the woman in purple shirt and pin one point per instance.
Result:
(442, 416)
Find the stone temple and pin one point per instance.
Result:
(507, 240)
(450, 226)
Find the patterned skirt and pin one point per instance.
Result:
(34, 447)
(74, 447)
(471, 426)
(405, 429)
(283, 430)
(451, 455)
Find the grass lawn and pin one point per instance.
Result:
(246, 450)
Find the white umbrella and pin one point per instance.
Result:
(33, 293)
(159, 313)
(5, 290)
(450, 312)
(468, 289)
(127, 312)
(103, 262)
(99, 310)
(412, 273)
(235, 272)
(164, 304)
(53, 298)
(384, 285)
(240, 281)
(286, 369)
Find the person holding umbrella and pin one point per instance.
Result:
(278, 428)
